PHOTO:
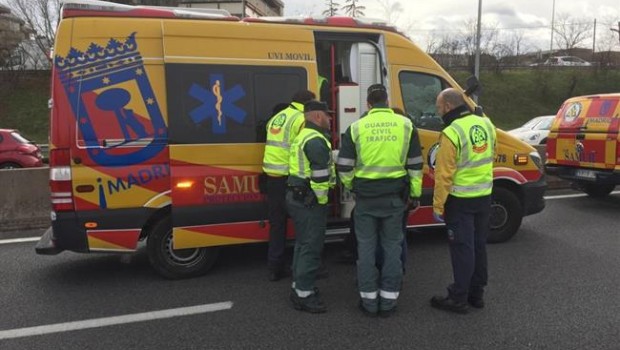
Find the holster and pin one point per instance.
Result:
(304, 195)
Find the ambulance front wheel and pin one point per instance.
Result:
(506, 215)
(176, 263)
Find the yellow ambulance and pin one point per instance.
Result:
(158, 125)
(583, 145)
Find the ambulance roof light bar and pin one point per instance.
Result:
(337, 21)
(72, 8)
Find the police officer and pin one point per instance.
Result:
(282, 129)
(381, 163)
(462, 197)
(312, 173)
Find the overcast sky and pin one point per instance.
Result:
(422, 18)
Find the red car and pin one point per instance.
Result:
(17, 152)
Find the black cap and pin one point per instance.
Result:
(315, 105)
(376, 87)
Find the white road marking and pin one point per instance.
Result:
(115, 320)
(19, 240)
(574, 195)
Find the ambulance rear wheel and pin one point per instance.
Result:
(176, 263)
(506, 215)
(597, 190)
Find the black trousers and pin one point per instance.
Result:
(467, 221)
(276, 213)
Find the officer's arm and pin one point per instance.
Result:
(319, 156)
(414, 165)
(445, 168)
(346, 160)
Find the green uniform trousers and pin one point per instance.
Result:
(379, 225)
(310, 224)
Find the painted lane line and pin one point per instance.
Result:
(19, 240)
(574, 195)
(115, 320)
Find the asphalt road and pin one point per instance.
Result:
(555, 285)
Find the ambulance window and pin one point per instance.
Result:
(419, 93)
(210, 104)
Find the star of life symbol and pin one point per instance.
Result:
(218, 104)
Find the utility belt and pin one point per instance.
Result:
(304, 195)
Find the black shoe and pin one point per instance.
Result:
(387, 313)
(448, 304)
(311, 303)
(365, 311)
(278, 274)
(478, 303)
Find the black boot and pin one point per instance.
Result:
(311, 303)
(449, 304)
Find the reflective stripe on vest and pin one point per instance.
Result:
(300, 165)
(381, 141)
(474, 138)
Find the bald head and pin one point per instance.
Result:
(448, 100)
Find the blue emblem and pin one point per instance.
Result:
(218, 104)
(108, 73)
(605, 107)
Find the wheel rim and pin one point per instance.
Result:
(182, 257)
(499, 216)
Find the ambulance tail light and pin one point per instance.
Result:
(60, 180)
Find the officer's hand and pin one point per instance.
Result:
(438, 217)
(412, 204)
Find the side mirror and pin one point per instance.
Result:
(473, 86)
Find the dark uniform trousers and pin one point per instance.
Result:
(379, 225)
(310, 224)
(276, 212)
(467, 221)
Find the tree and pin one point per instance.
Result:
(353, 9)
(332, 8)
(41, 16)
(570, 32)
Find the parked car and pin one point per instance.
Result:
(17, 152)
(535, 131)
(584, 144)
(563, 61)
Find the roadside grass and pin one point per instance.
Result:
(23, 105)
(512, 97)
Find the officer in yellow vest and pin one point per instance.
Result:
(381, 163)
(282, 129)
(312, 174)
(462, 198)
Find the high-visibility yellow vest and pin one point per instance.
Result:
(282, 129)
(474, 138)
(382, 141)
(300, 165)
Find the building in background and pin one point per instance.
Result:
(240, 8)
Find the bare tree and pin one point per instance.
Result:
(353, 8)
(41, 16)
(607, 41)
(571, 32)
(393, 13)
(332, 8)
(488, 37)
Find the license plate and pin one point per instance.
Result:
(586, 174)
